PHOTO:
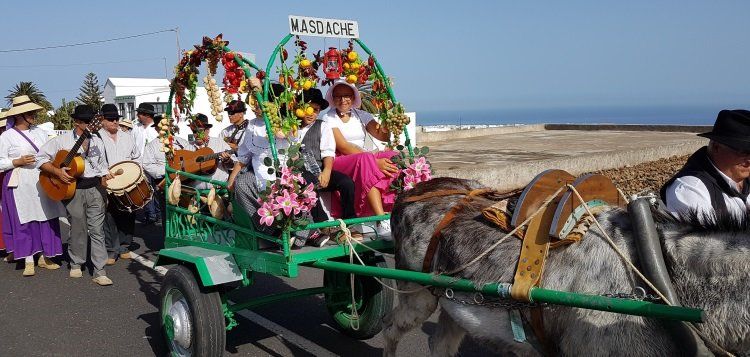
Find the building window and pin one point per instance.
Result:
(159, 107)
(131, 110)
(121, 106)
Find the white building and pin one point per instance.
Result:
(129, 93)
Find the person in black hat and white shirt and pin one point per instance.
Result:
(86, 208)
(119, 146)
(201, 138)
(236, 109)
(143, 133)
(144, 130)
(715, 178)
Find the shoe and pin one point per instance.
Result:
(102, 280)
(357, 236)
(46, 263)
(76, 273)
(318, 239)
(383, 229)
(110, 261)
(28, 270)
(9, 258)
(125, 255)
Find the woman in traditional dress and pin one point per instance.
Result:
(372, 172)
(30, 218)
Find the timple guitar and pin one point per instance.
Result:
(202, 161)
(52, 186)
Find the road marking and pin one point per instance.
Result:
(280, 331)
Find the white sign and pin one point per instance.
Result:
(313, 26)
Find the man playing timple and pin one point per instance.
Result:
(86, 208)
(715, 178)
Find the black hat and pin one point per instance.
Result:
(157, 120)
(276, 90)
(235, 106)
(145, 108)
(110, 112)
(200, 121)
(313, 95)
(732, 128)
(83, 112)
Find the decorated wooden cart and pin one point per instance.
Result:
(210, 252)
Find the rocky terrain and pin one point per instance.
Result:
(646, 176)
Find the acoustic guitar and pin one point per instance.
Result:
(200, 162)
(52, 186)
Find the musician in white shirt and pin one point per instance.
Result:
(119, 224)
(86, 207)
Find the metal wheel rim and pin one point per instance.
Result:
(177, 318)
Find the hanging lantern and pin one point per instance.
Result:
(332, 64)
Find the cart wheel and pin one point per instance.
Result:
(372, 299)
(191, 316)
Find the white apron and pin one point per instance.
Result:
(31, 201)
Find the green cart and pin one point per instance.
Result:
(209, 257)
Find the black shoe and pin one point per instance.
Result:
(318, 240)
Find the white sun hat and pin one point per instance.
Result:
(356, 103)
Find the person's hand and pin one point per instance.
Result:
(62, 175)
(104, 180)
(24, 160)
(382, 128)
(232, 146)
(230, 184)
(255, 83)
(324, 178)
(225, 157)
(387, 167)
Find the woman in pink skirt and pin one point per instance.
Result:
(372, 172)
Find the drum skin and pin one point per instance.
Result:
(129, 190)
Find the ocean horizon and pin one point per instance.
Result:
(703, 115)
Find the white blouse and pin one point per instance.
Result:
(354, 130)
(255, 148)
(32, 203)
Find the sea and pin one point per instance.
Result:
(692, 115)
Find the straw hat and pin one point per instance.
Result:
(126, 123)
(22, 104)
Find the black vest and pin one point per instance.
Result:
(311, 141)
(699, 165)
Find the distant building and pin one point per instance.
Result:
(129, 93)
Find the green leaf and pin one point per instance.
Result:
(416, 151)
(400, 147)
(267, 161)
(281, 151)
(271, 170)
(425, 150)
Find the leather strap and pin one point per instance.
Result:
(447, 219)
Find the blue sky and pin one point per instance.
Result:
(444, 55)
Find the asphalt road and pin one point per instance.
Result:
(51, 314)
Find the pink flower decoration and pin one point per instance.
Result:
(287, 203)
(409, 182)
(266, 214)
(419, 164)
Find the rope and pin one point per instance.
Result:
(622, 194)
(630, 264)
(352, 252)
